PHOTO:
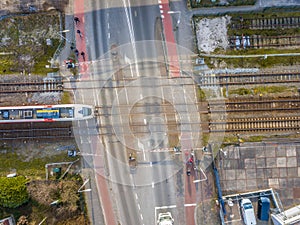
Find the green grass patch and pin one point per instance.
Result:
(34, 168)
(260, 62)
(25, 37)
(241, 91)
(66, 98)
(261, 90)
(211, 3)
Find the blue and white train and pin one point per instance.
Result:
(45, 113)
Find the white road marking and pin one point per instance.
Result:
(145, 121)
(165, 207)
(142, 217)
(108, 35)
(151, 164)
(139, 206)
(136, 196)
(135, 13)
(162, 16)
(188, 205)
(108, 26)
(161, 11)
(152, 184)
(160, 6)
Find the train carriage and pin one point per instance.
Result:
(45, 113)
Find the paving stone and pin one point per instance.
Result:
(275, 172)
(241, 185)
(247, 153)
(262, 183)
(291, 162)
(292, 172)
(296, 182)
(291, 151)
(296, 192)
(241, 164)
(250, 174)
(251, 184)
(282, 183)
(230, 175)
(230, 164)
(281, 161)
(270, 151)
(234, 153)
(240, 174)
(232, 185)
(281, 152)
(250, 163)
(290, 182)
(282, 172)
(286, 193)
(271, 162)
(260, 173)
(260, 162)
(267, 173)
(260, 153)
(273, 182)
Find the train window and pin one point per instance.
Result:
(28, 114)
(5, 114)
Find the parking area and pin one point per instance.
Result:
(233, 206)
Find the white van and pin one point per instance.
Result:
(248, 212)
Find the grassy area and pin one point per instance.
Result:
(212, 3)
(41, 192)
(33, 169)
(262, 90)
(24, 42)
(260, 62)
(66, 98)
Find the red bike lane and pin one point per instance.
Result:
(99, 162)
(173, 62)
(83, 56)
(189, 186)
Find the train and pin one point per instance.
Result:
(45, 113)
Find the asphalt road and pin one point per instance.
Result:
(156, 185)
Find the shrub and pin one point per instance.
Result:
(13, 191)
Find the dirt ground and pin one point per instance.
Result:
(15, 6)
(212, 34)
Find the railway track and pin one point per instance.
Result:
(258, 41)
(266, 23)
(248, 79)
(251, 105)
(261, 124)
(31, 86)
(36, 133)
(228, 106)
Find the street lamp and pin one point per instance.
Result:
(85, 190)
(60, 34)
(178, 20)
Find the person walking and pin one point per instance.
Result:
(76, 19)
(83, 55)
(79, 32)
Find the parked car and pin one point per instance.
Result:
(165, 219)
(248, 212)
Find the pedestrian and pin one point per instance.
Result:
(76, 19)
(76, 53)
(79, 32)
(83, 55)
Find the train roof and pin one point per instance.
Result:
(43, 106)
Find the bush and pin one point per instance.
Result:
(13, 191)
